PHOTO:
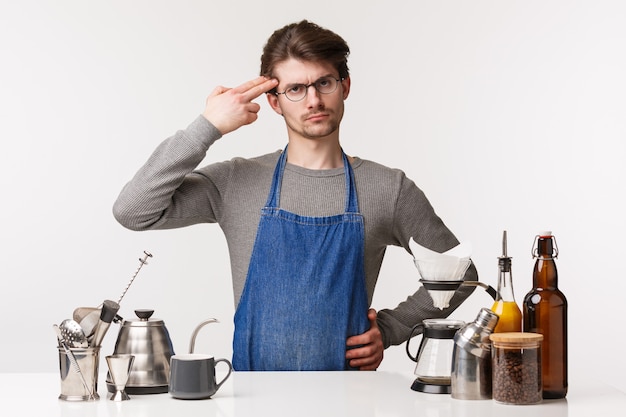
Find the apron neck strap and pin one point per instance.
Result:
(273, 199)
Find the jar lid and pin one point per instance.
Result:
(516, 337)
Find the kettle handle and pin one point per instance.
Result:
(419, 326)
(192, 344)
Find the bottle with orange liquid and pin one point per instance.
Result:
(510, 315)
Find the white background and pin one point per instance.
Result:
(508, 114)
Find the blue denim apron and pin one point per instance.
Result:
(305, 289)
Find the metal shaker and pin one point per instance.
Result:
(471, 358)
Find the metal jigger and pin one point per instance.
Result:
(119, 369)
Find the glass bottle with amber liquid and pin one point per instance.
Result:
(545, 312)
(505, 306)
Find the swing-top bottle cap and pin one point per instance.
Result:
(545, 234)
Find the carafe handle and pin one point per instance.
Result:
(413, 330)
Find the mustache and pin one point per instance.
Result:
(317, 113)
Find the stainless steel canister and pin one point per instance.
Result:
(73, 387)
(471, 359)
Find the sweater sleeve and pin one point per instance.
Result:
(164, 193)
(416, 218)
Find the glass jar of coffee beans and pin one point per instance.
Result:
(516, 367)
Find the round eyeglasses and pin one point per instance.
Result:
(297, 92)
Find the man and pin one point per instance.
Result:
(307, 227)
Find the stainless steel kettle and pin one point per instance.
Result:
(149, 341)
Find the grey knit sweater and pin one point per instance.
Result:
(169, 191)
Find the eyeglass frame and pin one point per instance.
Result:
(313, 84)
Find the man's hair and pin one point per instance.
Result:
(305, 41)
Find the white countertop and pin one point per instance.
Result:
(301, 394)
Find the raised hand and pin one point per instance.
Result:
(230, 108)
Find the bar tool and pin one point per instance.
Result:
(89, 318)
(471, 358)
(107, 314)
(72, 334)
(119, 371)
(142, 262)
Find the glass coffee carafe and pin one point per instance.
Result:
(434, 356)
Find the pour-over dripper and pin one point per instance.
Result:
(441, 277)
(442, 273)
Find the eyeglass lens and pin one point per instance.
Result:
(324, 85)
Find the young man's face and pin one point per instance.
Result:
(317, 115)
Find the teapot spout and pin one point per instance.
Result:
(192, 344)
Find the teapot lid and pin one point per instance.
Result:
(145, 319)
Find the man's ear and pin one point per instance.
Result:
(346, 87)
(272, 99)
